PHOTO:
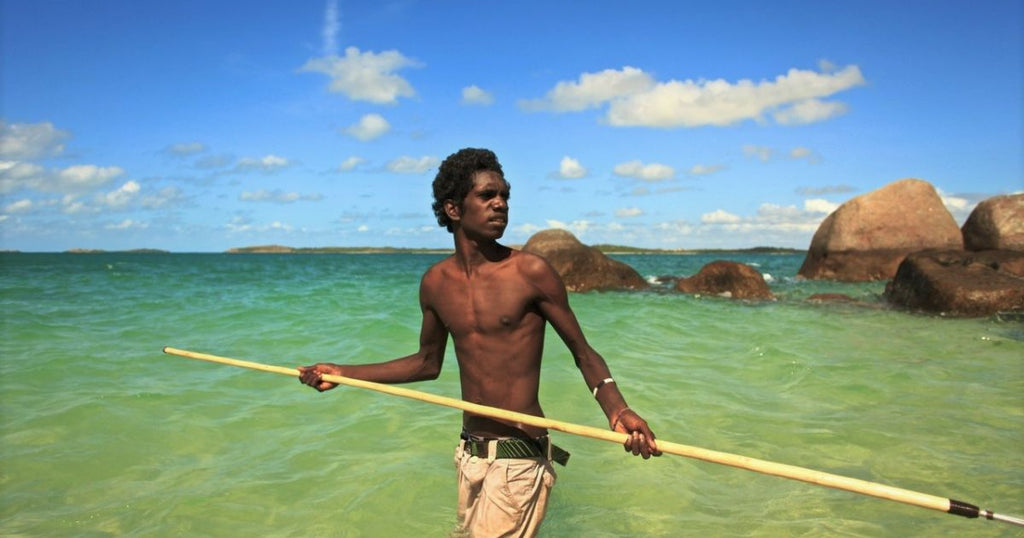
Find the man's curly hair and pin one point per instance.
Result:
(455, 178)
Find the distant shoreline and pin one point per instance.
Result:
(281, 249)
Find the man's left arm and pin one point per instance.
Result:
(553, 302)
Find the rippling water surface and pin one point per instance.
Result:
(103, 435)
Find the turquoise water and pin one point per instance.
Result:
(103, 435)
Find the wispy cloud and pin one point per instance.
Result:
(332, 26)
(278, 197)
(185, 149)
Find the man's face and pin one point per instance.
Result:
(485, 208)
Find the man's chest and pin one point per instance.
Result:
(484, 306)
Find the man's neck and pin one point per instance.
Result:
(472, 253)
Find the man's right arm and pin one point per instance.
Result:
(425, 364)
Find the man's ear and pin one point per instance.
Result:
(453, 210)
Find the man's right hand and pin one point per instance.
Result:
(313, 375)
(641, 439)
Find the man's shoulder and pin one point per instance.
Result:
(438, 269)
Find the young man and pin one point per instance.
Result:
(494, 302)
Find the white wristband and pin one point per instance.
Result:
(601, 384)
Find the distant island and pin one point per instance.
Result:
(281, 249)
(607, 249)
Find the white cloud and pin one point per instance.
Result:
(958, 206)
(571, 168)
(278, 196)
(16, 175)
(369, 127)
(363, 228)
(128, 224)
(644, 172)
(719, 216)
(79, 178)
(591, 90)
(577, 227)
(122, 196)
(629, 212)
(351, 163)
(704, 170)
(809, 111)
(21, 206)
(365, 76)
(412, 165)
(265, 164)
(474, 95)
(819, 205)
(21, 141)
(635, 99)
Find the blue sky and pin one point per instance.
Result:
(204, 125)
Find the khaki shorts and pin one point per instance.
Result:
(501, 497)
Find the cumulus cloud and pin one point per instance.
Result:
(25, 141)
(634, 98)
(644, 172)
(628, 212)
(412, 165)
(771, 218)
(571, 168)
(719, 216)
(122, 196)
(351, 163)
(577, 227)
(278, 196)
(266, 164)
(365, 76)
(809, 111)
(369, 127)
(20, 206)
(591, 90)
(474, 95)
(819, 205)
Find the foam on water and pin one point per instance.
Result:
(102, 435)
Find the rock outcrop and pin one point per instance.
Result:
(582, 268)
(868, 236)
(996, 224)
(729, 279)
(959, 283)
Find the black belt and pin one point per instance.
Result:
(514, 447)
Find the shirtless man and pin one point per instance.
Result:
(494, 302)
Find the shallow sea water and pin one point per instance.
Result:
(103, 435)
